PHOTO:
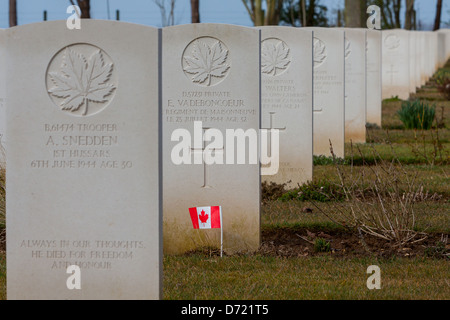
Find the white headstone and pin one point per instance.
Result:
(3, 78)
(395, 53)
(329, 113)
(83, 180)
(434, 52)
(431, 51)
(287, 97)
(442, 55)
(423, 57)
(447, 43)
(211, 90)
(412, 62)
(373, 60)
(418, 64)
(355, 85)
(443, 46)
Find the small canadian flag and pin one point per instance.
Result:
(206, 217)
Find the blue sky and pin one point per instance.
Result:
(145, 11)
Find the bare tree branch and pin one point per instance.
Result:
(166, 20)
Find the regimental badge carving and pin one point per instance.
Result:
(81, 79)
(348, 49)
(206, 61)
(320, 52)
(392, 41)
(275, 56)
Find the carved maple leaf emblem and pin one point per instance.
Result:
(206, 62)
(81, 80)
(392, 41)
(274, 57)
(319, 52)
(203, 217)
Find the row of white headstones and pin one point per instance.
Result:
(96, 116)
(410, 58)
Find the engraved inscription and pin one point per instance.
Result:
(206, 61)
(323, 86)
(80, 79)
(81, 146)
(87, 254)
(207, 106)
(275, 56)
(281, 94)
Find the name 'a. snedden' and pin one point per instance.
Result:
(84, 141)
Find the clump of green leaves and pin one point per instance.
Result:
(322, 245)
(442, 76)
(417, 115)
(392, 99)
(439, 250)
(321, 191)
(322, 160)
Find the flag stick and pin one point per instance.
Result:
(221, 233)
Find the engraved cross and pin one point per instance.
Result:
(269, 139)
(202, 151)
(392, 72)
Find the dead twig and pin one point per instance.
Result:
(304, 239)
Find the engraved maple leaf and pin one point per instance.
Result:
(81, 80)
(319, 51)
(274, 57)
(392, 41)
(206, 62)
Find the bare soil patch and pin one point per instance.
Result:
(290, 242)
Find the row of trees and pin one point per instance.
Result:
(167, 9)
(391, 14)
(314, 13)
(287, 12)
(85, 7)
(297, 13)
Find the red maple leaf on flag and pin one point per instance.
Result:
(203, 217)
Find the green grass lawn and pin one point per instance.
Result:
(323, 277)
(2, 275)
(249, 277)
